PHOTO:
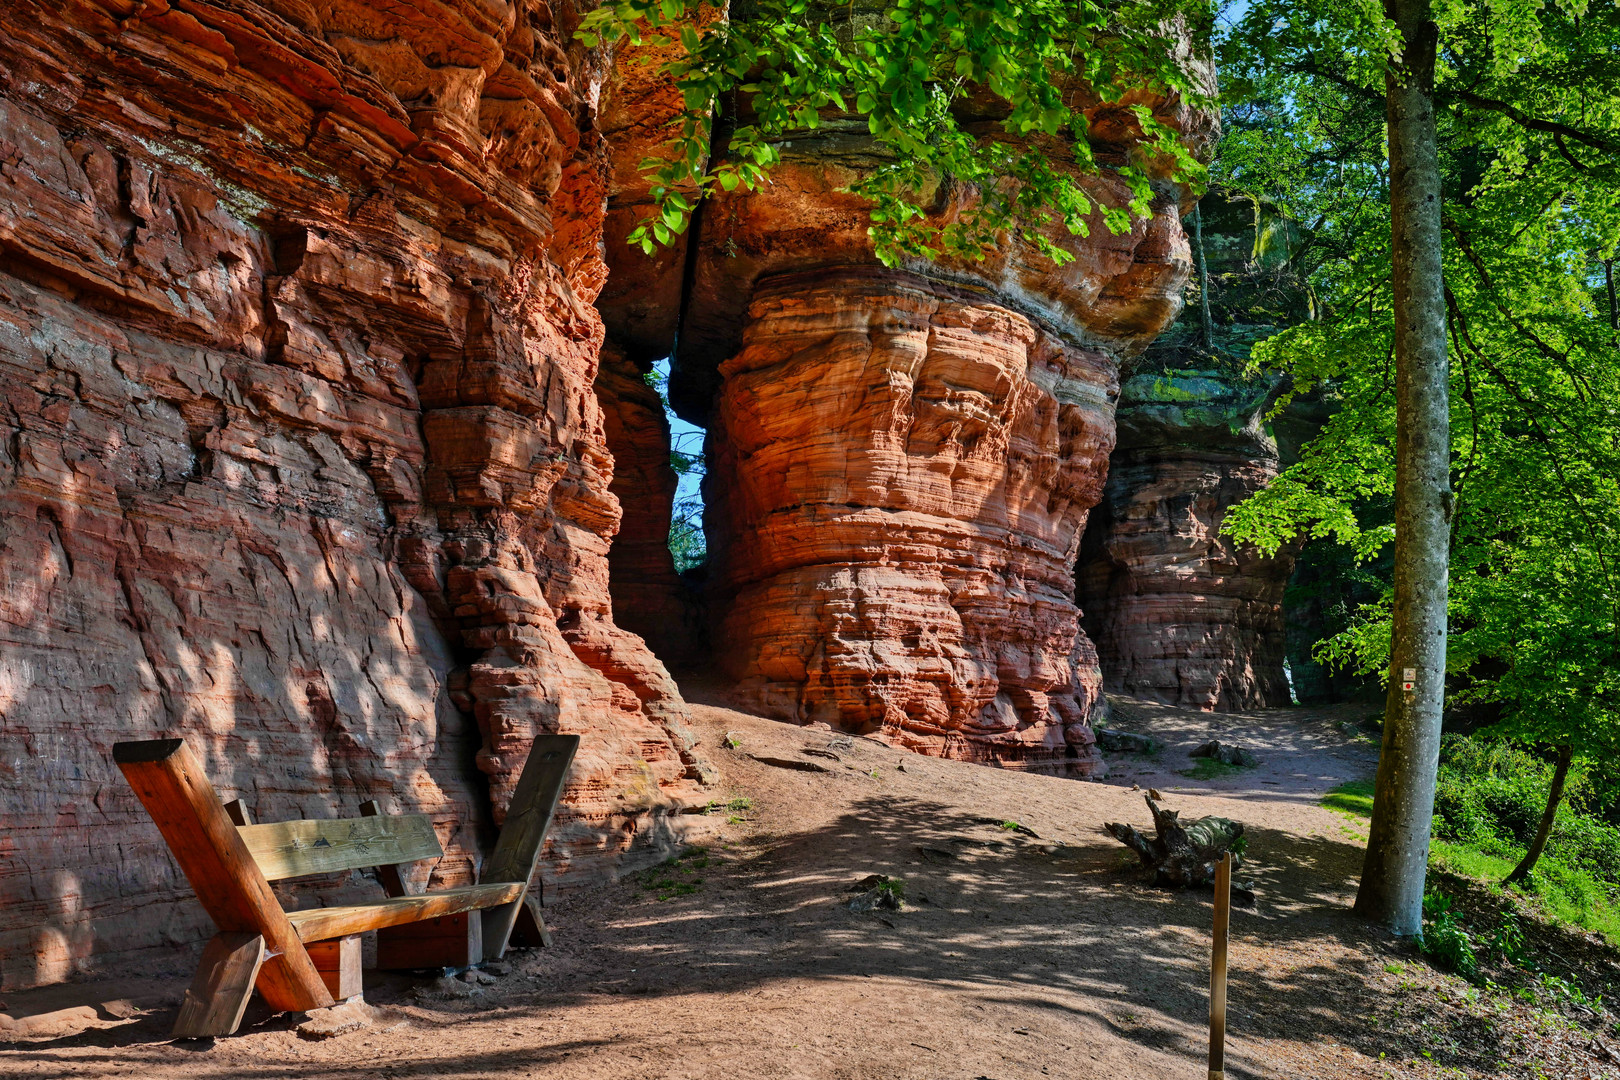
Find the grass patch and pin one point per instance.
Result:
(1489, 798)
(1209, 769)
(737, 804)
(1562, 894)
(1355, 798)
(677, 876)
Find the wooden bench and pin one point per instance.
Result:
(302, 960)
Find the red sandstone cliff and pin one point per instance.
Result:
(1180, 612)
(901, 462)
(299, 453)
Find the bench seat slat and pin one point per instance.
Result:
(319, 924)
(286, 849)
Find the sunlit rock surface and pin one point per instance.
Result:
(299, 453)
(901, 461)
(906, 471)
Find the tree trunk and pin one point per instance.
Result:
(1403, 804)
(1206, 325)
(1544, 830)
(1614, 309)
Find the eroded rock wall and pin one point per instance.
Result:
(299, 452)
(901, 460)
(649, 597)
(906, 469)
(1180, 612)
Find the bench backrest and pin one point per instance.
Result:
(288, 849)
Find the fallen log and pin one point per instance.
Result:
(1182, 855)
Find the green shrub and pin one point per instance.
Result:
(1586, 844)
(1459, 810)
(1444, 940)
(1515, 805)
(1489, 791)
(1508, 941)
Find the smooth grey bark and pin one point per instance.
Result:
(1614, 309)
(1555, 795)
(1207, 326)
(1392, 876)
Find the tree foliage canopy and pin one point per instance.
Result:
(1530, 149)
(907, 72)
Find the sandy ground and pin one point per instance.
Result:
(1036, 951)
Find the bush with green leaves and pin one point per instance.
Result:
(1490, 795)
(1587, 844)
(1444, 940)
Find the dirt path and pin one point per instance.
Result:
(1304, 752)
(1029, 952)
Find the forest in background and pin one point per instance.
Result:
(1528, 174)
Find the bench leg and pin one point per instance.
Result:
(175, 790)
(220, 990)
(523, 834)
(530, 929)
(338, 961)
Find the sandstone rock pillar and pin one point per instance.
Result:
(1180, 612)
(900, 470)
(901, 461)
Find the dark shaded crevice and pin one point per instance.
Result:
(690, 395)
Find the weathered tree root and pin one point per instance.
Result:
(1182, 856)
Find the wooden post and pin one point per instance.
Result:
(1217, 969)
(523, 834)
(175, 791)
(338, 961)
(222, 986)
(392, 881)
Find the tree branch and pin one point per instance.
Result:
(1478, 101)
(1533, 123)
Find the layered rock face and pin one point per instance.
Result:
(901, 460)
(1181, 613)
(641, 306)
(906, 467)
(300, 456)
